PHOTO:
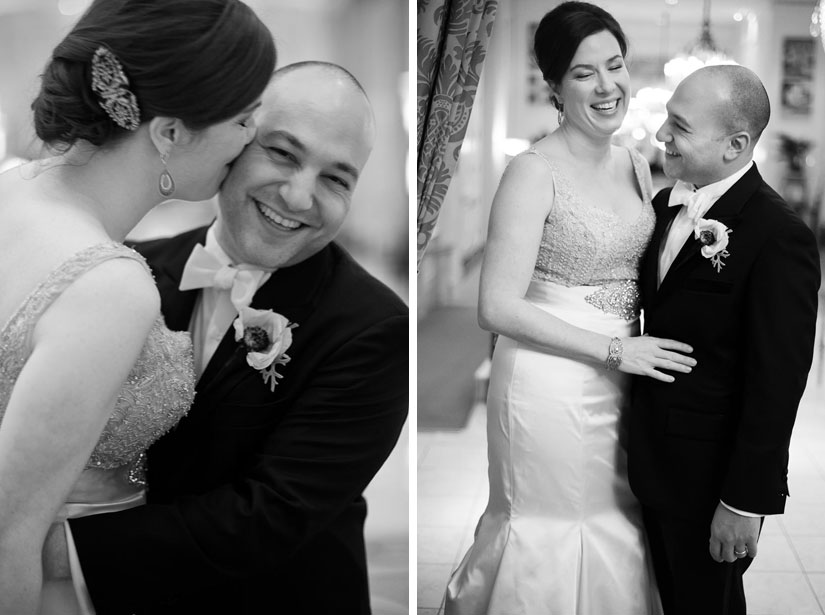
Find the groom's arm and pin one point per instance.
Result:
(310, 468)
(779, 312)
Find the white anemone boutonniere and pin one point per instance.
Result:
(713, 235)
(266, 336)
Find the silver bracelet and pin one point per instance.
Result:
(614, 354)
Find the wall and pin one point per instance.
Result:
(793, 21)
(27, 37)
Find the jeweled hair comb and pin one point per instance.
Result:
(110, 83)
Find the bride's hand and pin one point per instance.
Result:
(645, 356)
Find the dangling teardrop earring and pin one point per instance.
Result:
(166, 185)
(561, 111)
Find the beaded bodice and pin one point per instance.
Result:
(157, 392)
(584, 245)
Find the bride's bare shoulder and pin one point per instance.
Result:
(537, 162)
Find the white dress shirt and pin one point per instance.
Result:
(681, 228)
(214, 312)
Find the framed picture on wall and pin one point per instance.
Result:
(798, 58)
(796, 96)
(797, 75)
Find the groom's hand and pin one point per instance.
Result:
(731, 532)
(56, 555)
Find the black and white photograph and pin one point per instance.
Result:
(216, 217)
(620, 350)
(204, 299)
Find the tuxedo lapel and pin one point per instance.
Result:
(727, 209)
(291, 292)
(226, 355)
(664, 216)
(689, 249)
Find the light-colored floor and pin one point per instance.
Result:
(387, 532)
(786, 578)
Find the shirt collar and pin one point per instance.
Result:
(212, 246)
(717, 189)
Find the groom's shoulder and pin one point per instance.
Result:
(661, 197)
(352, 289)
(774, 212)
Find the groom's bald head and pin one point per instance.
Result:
(742, 101)
(290, 190)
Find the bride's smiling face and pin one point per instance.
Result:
(595, 89)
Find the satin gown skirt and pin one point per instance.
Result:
(562, 533)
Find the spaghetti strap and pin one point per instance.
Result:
(553, 174)
(641, 171)
(544, 157)
(64, 275)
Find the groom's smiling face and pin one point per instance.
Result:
(289, 192)
(694, 134)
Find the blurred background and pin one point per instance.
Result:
(782, 41)
(370, 39)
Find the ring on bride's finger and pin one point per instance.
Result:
(740, 553)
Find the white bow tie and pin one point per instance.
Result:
(204, 270)
(684, 194)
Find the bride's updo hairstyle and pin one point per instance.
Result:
(201, 61)
(562, 30)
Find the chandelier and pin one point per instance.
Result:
(702, 53)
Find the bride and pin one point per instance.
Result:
(140, 102)
(562, 533)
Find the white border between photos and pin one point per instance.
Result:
(412, 483)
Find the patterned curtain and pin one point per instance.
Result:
(452, 43)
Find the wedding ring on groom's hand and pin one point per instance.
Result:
(740, 553)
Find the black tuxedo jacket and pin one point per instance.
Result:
(723, 431)
(254, 501)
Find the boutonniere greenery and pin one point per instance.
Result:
(713, 235)
(266, 336)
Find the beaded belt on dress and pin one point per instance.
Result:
(620, 298)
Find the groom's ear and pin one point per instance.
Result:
(738, 143)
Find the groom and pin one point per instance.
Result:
(734, 273)
(254, 501)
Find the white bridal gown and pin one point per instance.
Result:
(156, 394)
(562, 533)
